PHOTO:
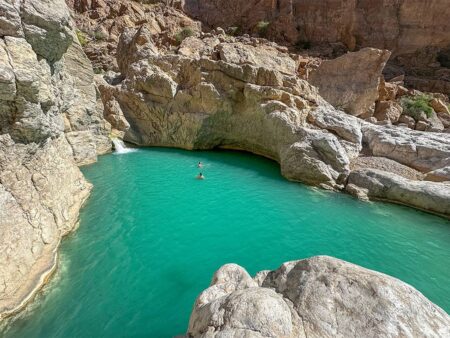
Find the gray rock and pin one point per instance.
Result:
(10, 23)
(320, 297)
(46, 90)
(420, 150)
(387, 186)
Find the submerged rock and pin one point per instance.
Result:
(317, 297)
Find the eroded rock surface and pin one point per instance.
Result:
(220, 91)
(316, 297)
(350, 82)
(50, 121)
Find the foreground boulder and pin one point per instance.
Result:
(316, 297)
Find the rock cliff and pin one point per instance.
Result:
(416, 31)
(404, 26)
(316, 297)
(50, 121)
(167, 83)
(245, 93)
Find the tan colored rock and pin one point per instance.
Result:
(439, 106)
(41, 192)
(319, 297)
(439, 175)
(408, 120)
(442, 111)
(261, 56)
(350, 82)
(387, 91)
(422, 125)
(46, 90)
(388, 111)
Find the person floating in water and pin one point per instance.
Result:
(200, 176)
(200, 165)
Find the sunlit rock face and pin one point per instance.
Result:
(50, 121)
(402, 26)
(316, 297)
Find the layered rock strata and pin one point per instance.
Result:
(316, 297)
(50, 121)
(416, 31)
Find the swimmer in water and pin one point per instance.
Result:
(199, 165)
(200, 176)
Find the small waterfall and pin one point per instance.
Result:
(120, 146)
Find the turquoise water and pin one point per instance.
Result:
(151, 237)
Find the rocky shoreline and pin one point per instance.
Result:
(165, 82)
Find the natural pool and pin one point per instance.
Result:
(151, 237)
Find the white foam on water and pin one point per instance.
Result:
(120, 147)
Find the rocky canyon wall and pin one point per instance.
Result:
(50, 121)
(403, 26)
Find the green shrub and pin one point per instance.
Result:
(183, 34)
(98, 70)
(414, 105)
(262, 27)
(234, 31)
(99, 35)
(81, 38)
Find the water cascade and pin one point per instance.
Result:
(120, 146)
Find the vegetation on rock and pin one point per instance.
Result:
(262, 27)
(81, 38)
(183, 34)
(415, 105)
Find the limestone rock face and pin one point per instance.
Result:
(401, 26)
(318, 297)
(46, 85)
(41, 192)
(231, 96)
(50, 121)
(384, 185)
(420, 150)
(416, 31)
(350, 82)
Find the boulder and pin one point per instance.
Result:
(388, 111)
(262, 56)
(407, 120)
(320, 297)
(387, 91)
(350, 82)
(423, 125)
(387, 186)
(420, 150)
